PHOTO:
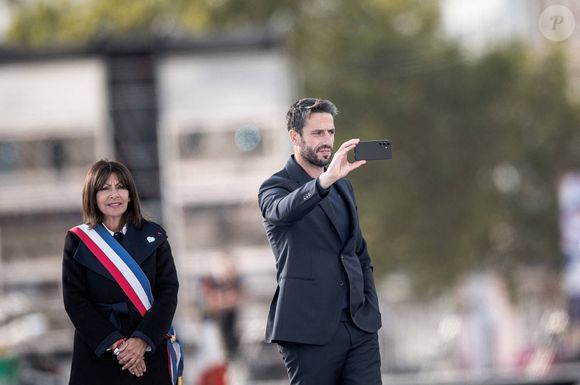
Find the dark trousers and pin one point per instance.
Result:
(351, 358)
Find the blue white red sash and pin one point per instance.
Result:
(133, 281)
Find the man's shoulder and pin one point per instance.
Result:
(276, 179)
(282, 174)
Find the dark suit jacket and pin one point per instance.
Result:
(101, 312)
(312, 261)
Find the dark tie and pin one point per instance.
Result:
(118, 236)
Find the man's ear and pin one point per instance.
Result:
(293, 135)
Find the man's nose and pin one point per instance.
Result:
(328, 138)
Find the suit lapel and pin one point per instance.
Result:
(301, 177)
(141, 243)
(326, 206)
(341, 186)
(86, 258)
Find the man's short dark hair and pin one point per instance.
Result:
(301, 110)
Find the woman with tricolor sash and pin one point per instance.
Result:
(120, 287)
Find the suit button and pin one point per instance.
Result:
(340, 283)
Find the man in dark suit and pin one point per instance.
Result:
(325, 313)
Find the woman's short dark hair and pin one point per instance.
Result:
(301, 110)
(96, 178)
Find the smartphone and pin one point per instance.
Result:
(373, 150)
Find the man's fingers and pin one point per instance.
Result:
(348, 145)
(351, 142)
(357, 164)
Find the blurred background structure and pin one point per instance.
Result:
(474, 226)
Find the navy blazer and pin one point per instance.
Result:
(312, 260)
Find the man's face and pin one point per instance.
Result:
(315, 143)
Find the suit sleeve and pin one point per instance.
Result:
(281, 205)
(156, 323)
(93, 328)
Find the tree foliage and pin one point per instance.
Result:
(67, 22)
(479, 142)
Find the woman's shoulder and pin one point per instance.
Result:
(151, 226)
(71, 242)
(70, 234)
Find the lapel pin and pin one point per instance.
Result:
(150, 239)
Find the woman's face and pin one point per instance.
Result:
(112, 199)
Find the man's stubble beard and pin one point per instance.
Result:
(309, 154)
